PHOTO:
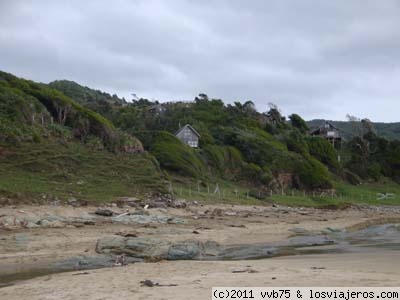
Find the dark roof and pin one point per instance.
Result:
(190, 127)
(314, 130)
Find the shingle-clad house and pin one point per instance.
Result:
(329, 132)
(188, 135)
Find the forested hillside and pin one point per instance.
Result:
(237, 143)
(62, 133)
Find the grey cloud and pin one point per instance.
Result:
(316, 58)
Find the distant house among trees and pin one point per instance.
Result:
(158, 109)
(188, 135)
(329, 132)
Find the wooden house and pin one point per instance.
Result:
(329, 132)
(188, 135)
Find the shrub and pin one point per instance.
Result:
(313, 174)
(295, 142)
(61, 132)
(176, 156)
(322, 150)
(298, 123)
(374, 171)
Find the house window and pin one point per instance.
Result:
(192, 144)
(330, 133)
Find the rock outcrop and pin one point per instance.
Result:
(157, 249)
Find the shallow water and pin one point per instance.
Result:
(372, 239)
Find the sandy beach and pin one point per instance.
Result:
(23, 249)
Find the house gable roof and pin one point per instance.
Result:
(190, 127)
(322, 126)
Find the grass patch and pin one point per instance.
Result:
(51, 171)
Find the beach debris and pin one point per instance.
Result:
(318, 268)
(195, 232)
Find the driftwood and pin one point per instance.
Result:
(151, 283)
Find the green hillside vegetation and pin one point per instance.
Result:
(84, 93)
(90, 98)
(54, 136)
(235, 145)
(263, 145)
(31, 110)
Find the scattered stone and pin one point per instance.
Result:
(179, 204)
(318, 268)
(127, 234)
(273, 278)
(329, 229)
(217, 212)
(120, 260)
(244, 270)
(238, 226)
(232, 213)
(299, 230)
(81, 273)
(31, 225)
(104, 212)
(203, 228)
(195, 232)
(149, 226)
(51, 224)
(89, 223)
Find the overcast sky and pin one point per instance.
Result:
(320, 58)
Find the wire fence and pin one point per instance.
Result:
(215, 191)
